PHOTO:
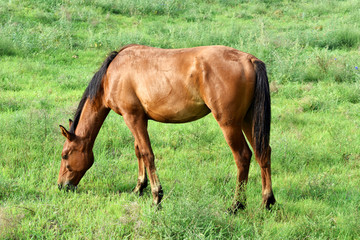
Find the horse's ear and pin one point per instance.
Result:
(70, 123)
(70, 136)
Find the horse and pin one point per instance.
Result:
(143, 83)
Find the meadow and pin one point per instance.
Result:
(49, 51)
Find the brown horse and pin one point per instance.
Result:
(175, 86)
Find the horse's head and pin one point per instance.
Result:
(76, 159)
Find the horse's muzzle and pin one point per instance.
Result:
(67, 187)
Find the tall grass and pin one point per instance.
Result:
(50, 50)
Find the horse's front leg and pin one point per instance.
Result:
(138, 127)
(142, 181)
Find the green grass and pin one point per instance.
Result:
(49, 51)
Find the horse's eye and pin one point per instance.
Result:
(65, 157)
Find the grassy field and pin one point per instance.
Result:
(49, 51)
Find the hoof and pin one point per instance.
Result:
(138, 192)
(269, 202)
(236, 207)
(139, 188)
(158, 207)
(158, 195)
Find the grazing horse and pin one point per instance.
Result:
(143, 83)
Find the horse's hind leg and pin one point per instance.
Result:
(138, 127)
(265, 165)
(242, 156)
(142, 178)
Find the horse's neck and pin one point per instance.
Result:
(91, 119)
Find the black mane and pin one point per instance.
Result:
(93, 88)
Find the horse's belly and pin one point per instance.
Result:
(176, 112)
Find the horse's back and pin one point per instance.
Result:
(179, 85)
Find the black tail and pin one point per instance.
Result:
(262, 111)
